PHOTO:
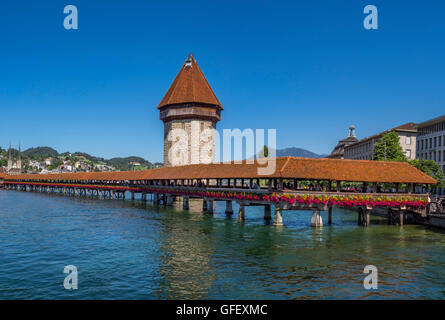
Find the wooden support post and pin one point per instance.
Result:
(401, 217)
(204, 205)
(229, 210)
(132, 195)
(267, 212)
(367, 217)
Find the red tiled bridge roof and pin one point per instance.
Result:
(286, 167)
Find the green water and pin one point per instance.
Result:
(135, 250)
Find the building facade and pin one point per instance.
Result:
(339, 150)
(431, 142)
(190, 111)
(364, 149)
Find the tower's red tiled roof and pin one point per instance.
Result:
(190, 85)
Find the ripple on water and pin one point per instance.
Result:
(135, 250)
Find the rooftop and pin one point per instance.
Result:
(432, 121)
(407, 127)
(190, 86)
(286, 167)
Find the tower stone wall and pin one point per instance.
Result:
(189, 142)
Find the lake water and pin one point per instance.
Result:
(134, 250)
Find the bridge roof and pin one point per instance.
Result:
(190, 85)
(286, 167)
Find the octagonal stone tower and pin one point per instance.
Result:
(189, 109)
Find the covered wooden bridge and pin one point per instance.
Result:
(296, 184)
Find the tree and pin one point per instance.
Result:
(265, 152)
(388, 148)
(431, 168)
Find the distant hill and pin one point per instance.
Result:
(124, 163)
(40, 152)
(298, 152)
(88, 156)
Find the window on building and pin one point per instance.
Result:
(408, 140)
(435, 142)
(408, 153)
(440, 141)
(438, 156)
(431, 143)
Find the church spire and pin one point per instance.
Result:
(19, 159)
(9, 158)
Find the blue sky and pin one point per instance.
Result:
(307, 68)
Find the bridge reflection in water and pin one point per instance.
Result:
(284, 189)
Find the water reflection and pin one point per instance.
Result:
(186, 255)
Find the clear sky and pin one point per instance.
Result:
(307, 68)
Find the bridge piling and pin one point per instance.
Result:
(267, 212)
(229, 209)
(316, 220)
(168, 200)
(209, 206)
(364, 217)
(277, 218)
(242, 212)
(185, 203)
